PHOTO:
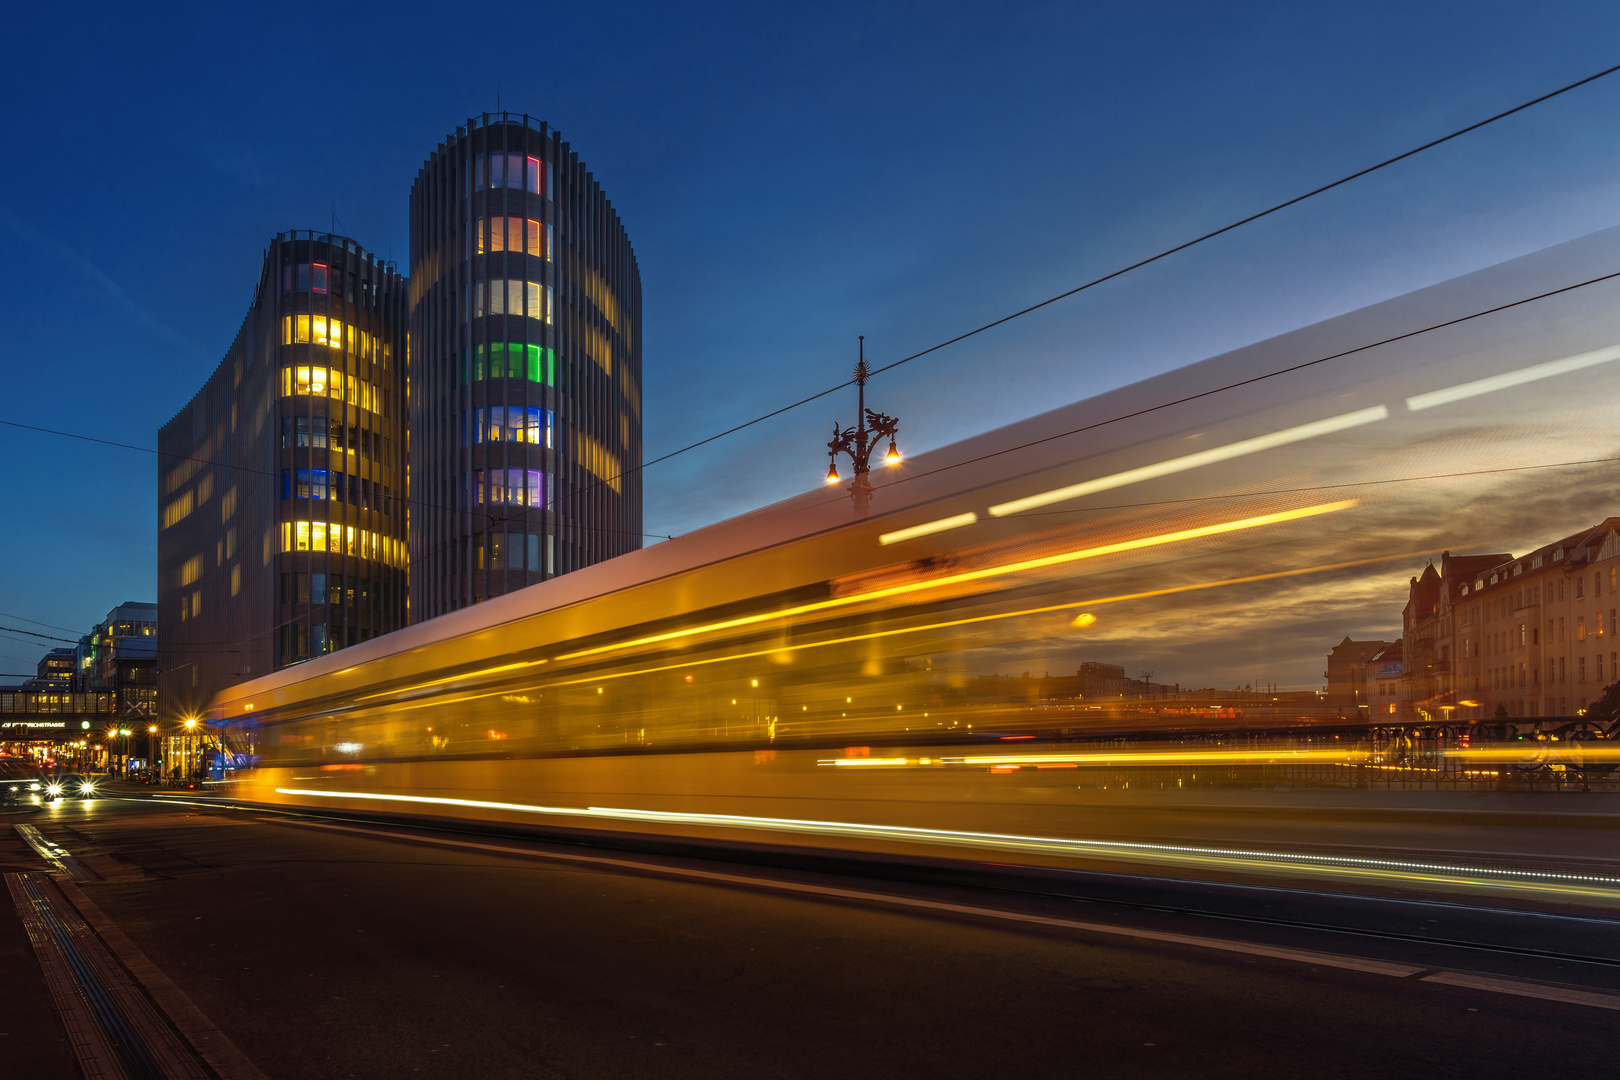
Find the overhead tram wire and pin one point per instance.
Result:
(30, 633)
(36, 622)
(1478, 124)
(1167, 252)
(1302, 365)
(1113, 420)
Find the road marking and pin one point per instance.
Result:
(1241, 448)
(1491, 384)
(927, 528)
(211, 1044)
(1527, 989)
(55, 854)
(115, 1030)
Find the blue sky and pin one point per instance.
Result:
(790, 176)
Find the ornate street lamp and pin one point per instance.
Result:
(870, 429)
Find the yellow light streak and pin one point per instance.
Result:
(1211, 456)
(1562, 751)
(452, 678)
(1021, 566)
(1170, 757)
(928, 528)
(687, 664)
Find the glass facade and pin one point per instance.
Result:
(525, 412)
(289, 465)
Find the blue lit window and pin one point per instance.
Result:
(512, 423)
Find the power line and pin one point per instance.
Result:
(47, 637)
(1141, 263)
(36, 622)
(951, 341)
(1257, 378)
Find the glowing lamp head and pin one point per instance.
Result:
(893, 456)
(832, 473)
(1085, 618)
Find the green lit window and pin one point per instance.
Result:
(511, 360)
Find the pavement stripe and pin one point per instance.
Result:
(134, 1041)
(1304, 956)
(211, 1044)
(1527, 989)
(55, 854)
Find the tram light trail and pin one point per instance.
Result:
(1494, 878)
(1211, 456)
(969, 576)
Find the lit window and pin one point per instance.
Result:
(513, 423)
(319, 278)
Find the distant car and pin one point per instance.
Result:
(70, 786)
(20, 781)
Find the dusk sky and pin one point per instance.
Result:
(790, 177)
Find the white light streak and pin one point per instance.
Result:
(1530, 374)
(1238, 449)
(928, 528)
(1007, 841)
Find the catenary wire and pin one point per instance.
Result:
(1185, 245)
(1136, 265)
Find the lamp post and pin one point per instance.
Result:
(870, 429)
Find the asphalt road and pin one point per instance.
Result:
(334, 953)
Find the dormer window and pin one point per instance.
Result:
(1494, 579)
(1558, 553)
(1518, 568)
(1535, 563)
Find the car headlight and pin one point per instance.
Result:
(87, 789)
(33, 787)
(53, 789)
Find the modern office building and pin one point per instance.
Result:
(55, 668)
(525, 421)
(281, 485)
(336, 478)
(119, 656)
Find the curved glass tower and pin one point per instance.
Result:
(525, 367)
(280, 489)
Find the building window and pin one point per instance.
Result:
(509, 487)
(513, 297)
(528, 235)
(511, 360)
(512, 423)
(516, 171)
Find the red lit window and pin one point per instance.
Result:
(532, 176)
(320, 278)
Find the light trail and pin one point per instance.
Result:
(453, 678)
(928, 528)
(1517, 879)
(945, 625)
(965, 577)
(1346, 756)
(1493, 383)
(1238, 449)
